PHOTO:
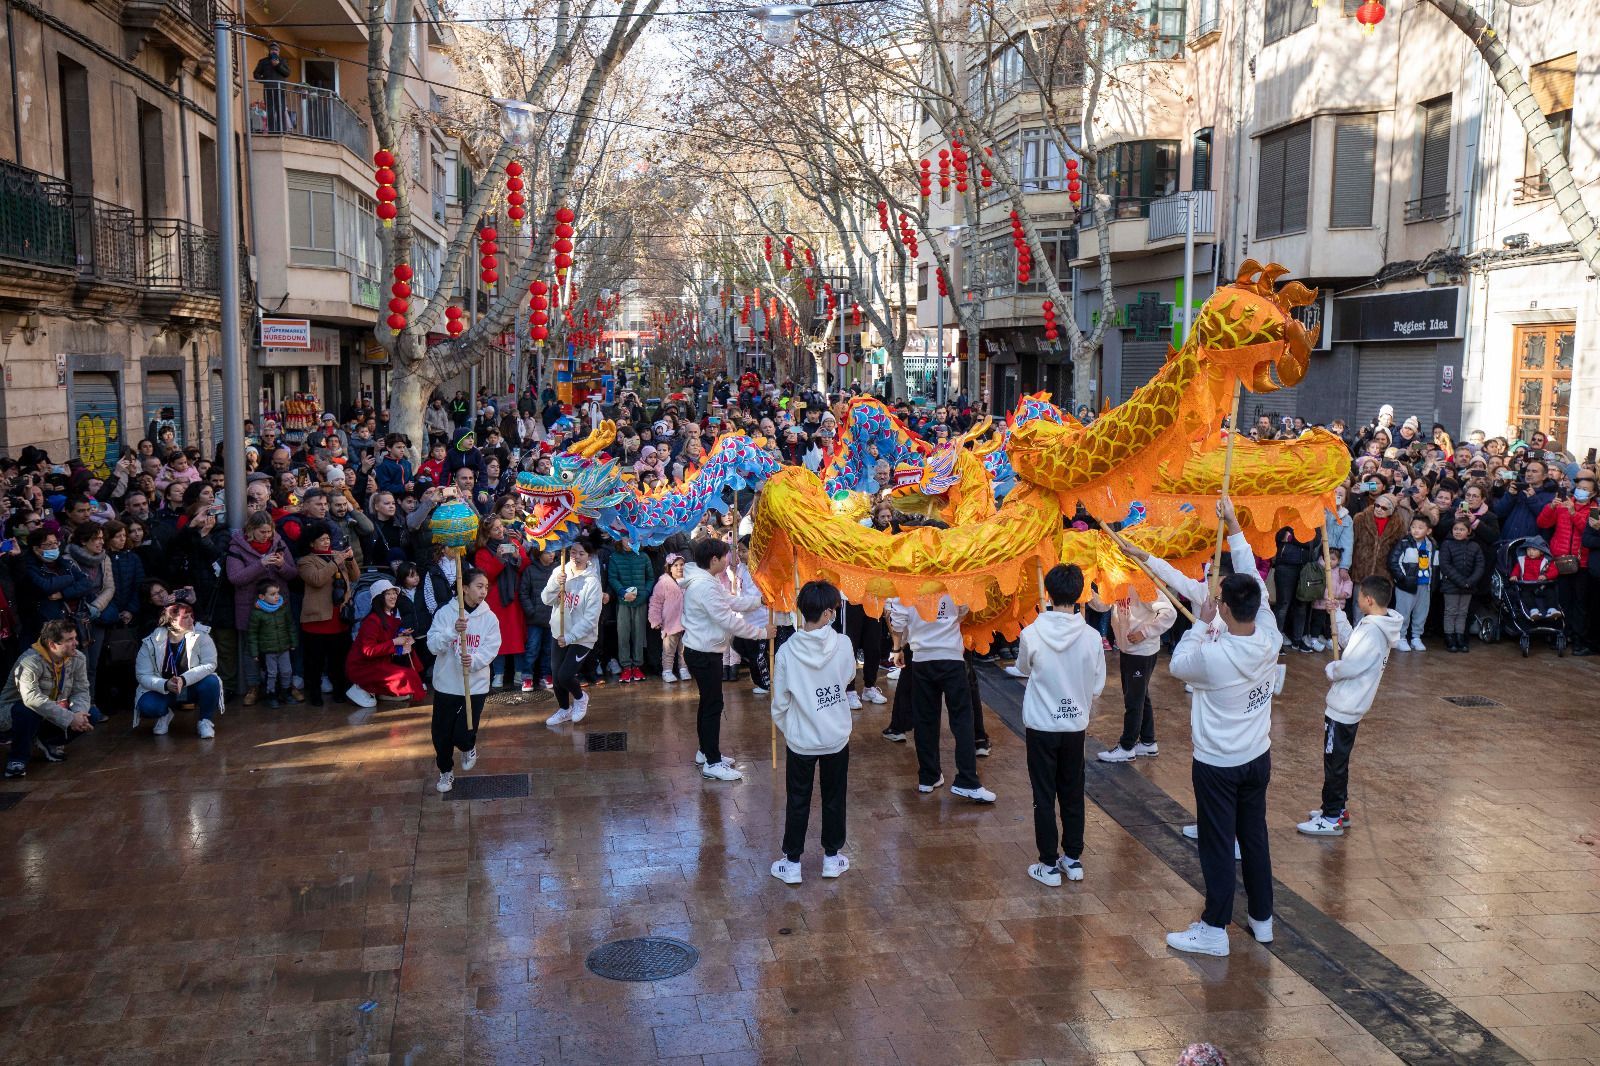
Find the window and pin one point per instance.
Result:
(416, 29)
(75, 126)
(995, 272)
(1135, 172)
(1552, 83)
(1200, 160)
(428, 259)
(1167, 16)
(1355, 139)
(1541, 388)
(331, 224)
(1060, 247)
(1350, 7)
(1282, 180)
(1287, 16)
(1433, 169)
(1206, 18)
(1041, 161)
(922, 282)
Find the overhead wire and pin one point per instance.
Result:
(741, 9)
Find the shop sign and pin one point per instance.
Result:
(1418, 315)
(364, 292)
(321, 349)
(286, 333)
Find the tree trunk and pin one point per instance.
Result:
(409, 392)
(1509, 77)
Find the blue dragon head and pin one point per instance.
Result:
(577, 488)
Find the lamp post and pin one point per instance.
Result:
(779, 22)
(228, 271)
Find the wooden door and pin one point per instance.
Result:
(1541, 381)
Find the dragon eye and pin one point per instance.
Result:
(566, 476)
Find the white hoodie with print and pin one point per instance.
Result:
(1066, 670)
(1359, 668)
(483, 641)
(577, 621)
(711, 617)
(810, 676)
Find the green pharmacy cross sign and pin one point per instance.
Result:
(1149, 316)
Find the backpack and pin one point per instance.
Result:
(358, 602)
(1311, 584)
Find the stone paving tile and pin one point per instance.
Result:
(306, 866)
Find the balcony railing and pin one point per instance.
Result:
(1167, 215)
(1122, 209)
(179, 256)
(35, 218)
(290, 109)
(1428, 207)
(1532, 187)
(107, 238)
(203, 13)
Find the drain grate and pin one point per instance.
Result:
(489, 787)
(1472, 701)
(9, 800)
(607, 741)
(644, 958)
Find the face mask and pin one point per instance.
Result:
(51, 554)
(1581, 495)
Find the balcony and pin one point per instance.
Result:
(1168, 215)
(290, 109)
(107, 239)
(1532, 187)
(1428, 208)
(184, 26)
(36, 220)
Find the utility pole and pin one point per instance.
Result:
(228, 271)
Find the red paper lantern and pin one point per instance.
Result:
(397, 322)
(539, 333)
(565, 214)
(387, 212)
(386, 193)
(403, 271)
(537, 288)
(384, 176)
(398, 305)
(400, 289)
(382, 158)
(563, 261)
(1370, 14)
(514, 169)
(515, 213)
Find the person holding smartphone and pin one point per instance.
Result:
(382, 661)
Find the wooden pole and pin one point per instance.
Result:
(1327, 567)
(1177, 601)
(1227, 476)
(1044, 603)
(461, 640)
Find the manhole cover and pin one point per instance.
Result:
(9, 800)
(489, 787)
(1471, 701)
(644, 958)
(607, 741)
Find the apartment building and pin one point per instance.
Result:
(1386, 170)
(109, 302)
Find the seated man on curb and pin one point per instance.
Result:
(46, 697)
(177, 666)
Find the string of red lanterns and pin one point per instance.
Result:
(1024, 254)
(563, 243)
(1074, 186)
(1050, 331)
(488, 251)
(925, 182)
(514, 197)
(400, 297)
(539, 319)
(383, 160)
(452, 321)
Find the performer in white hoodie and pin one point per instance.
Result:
(940, 674)
(711, 620)
(1233, 672)
(1137, 626)
(811, 674)
(471, 641)
(1066, 670)
(575, 624)
(1355, 676)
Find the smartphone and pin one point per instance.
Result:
(8, 546)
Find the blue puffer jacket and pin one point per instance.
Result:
(127, 570)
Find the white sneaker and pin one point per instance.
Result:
(1117, 754)
(327, 686)
(892, 674)
(853, 699)
(1200, 939)
(1321, 827)
(1045, 875)
(1147, 751)
(929, 788)
(206, 729)
(1319, 644)
(1261, 930)
(494, 682)
(361, 697)
(613, 667)
(1344, 815)
(699, 758)
(162, 724)
(1012, 671)
(834, 865)
(872, 695)
(976, 795)
(1402, 644)
(787, 872)
(469, 760)
(1071, 867)
(1192, 832)
(446, 782)
(757, 690)
(580, 708)
(721, 771)
(1417, 645)
(685, 675)
(562, 716)
(669, 677)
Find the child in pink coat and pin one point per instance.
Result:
(666, 614)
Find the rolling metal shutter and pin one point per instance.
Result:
(96, 421)
(1355, 139)
(216, 409)
(1435, 152)
(1141, 361)
(162, 393)
(1274, 405)
(1404, 375)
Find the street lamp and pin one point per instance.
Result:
(518, 120)
(779, 22)
(952, 233)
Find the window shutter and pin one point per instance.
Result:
(1354, 157)
(1276, 21)
(1296, 177)
(1435, 149)
(1350, 7)
(1553, 82)
(1200, 170)
(1269, 187)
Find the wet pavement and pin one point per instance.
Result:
(296, 891)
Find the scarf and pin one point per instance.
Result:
(91, 564)
(174, 657)
(269, 607)
(58, 670)
(262, 548)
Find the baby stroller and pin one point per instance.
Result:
(1512, 602)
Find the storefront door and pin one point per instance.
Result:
(1541, 380)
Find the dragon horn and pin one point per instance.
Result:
(598, 440)
(975, 432)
